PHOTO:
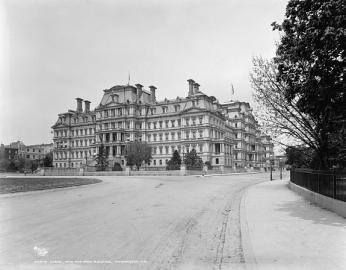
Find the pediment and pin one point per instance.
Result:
(193, 109)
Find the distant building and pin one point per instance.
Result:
(127, 113)
(33, 152)
(37, 151)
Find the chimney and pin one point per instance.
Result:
(87, 106)
(79, 105)
(195, 88)
(139, 90)
(191, 82)
(153, 93)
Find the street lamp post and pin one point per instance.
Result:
(271, 167)
(183, 154)
(280, 165)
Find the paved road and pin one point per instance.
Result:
(127, 223)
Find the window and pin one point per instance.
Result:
(160, 161)
(173, 122)
(217, 148)
(179, 135)
(167, 149)
(200, 120)
(179, 122)
(160, 136)
(166, 136)
(160, 123)
(177, 108)
(154, 161)
(164, 109)
(160, 149)
(166, 123)
(216, 161)
(172, 135)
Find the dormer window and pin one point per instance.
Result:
(164, 109)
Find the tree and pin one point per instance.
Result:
(311, 63)
(102, 158)
(48, 160)
(299, 156)
(302, 89)
(136, 153)
(117, 167)
(279, 117)
(175, 161)
(193, 161)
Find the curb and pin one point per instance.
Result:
(249, 256)
(24, 193)
(224, 174)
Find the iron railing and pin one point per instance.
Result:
(328, 183)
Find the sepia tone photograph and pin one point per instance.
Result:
(185, 134)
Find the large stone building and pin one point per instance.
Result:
(251, 148)
(127, 113)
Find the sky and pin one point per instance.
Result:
(53, 51)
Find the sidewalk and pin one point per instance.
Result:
(281, 230)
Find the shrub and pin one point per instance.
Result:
(117, 167)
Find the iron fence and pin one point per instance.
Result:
(329, 183)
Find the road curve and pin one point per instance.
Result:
(127, 223)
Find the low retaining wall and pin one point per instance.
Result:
(131, 173)
(127, 172)
(331, 204)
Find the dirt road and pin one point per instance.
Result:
(127, 223)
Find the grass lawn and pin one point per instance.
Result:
(12, 185)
